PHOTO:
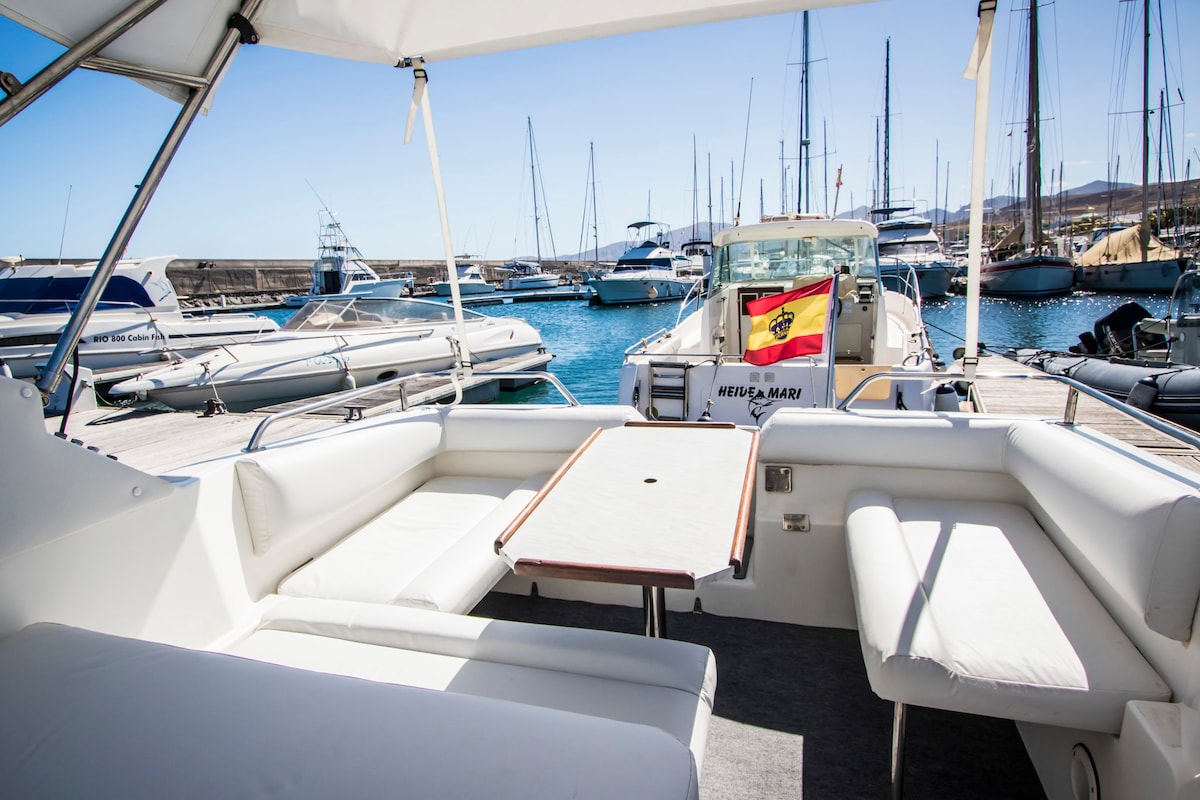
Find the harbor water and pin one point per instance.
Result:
(588, 342)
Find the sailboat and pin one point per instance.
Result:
(591, 223)
(1133, 259)
(1032, 271)
(521, 275)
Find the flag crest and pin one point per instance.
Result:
(789, 324)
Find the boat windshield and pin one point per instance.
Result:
(784, 259)
(1187, 294)
(370, 312)
(48, 295)
(908, 249)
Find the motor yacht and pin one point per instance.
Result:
(138, 319)
(523, 275)
(908, 245)
(699, 369)
(648, 272)
(340, 270)
(470, 281)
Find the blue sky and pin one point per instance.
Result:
(239, 187)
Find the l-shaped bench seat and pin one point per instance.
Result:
(1006, 566)
(402, 513)
(118, 717)
(664, 684)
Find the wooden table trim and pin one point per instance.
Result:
(742, 525)
(602, 573)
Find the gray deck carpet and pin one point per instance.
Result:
(795, 716)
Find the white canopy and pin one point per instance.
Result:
(181, 35)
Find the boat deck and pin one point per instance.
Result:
(794, 715)
(159, 440)
(1049, 399)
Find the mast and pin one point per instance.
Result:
(533, 179)
(802, 156)
(595, 213)
(695, 191)
(1033, 140)
(887, 119)
(1145, 232)
(936, 174)
(710, 218)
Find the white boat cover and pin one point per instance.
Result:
(181, 34)
(1125, 247)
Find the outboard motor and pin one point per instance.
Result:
(1115, 333)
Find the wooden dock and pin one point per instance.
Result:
(1049, 399)
(159, 440)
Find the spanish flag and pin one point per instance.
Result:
(789, 324)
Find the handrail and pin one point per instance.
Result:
(1075, 388)
(352, 394)
(646, 341)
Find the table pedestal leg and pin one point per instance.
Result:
(654, 609)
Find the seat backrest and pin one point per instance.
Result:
(301, 498)
(1131, 530)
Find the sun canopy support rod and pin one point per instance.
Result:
(21, 95)
(137, 71)
(217, 64)
(420, 103)
(979, 68)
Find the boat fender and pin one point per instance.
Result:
(653, 293)
(1143, 394)
(946, 399)
(348, 382)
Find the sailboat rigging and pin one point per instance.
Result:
(521, 275)
(1133, 259)
(1026, 268)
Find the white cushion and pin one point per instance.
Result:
(1088, 495)
(663, 683)
(970, 607)
(528, 428)
(113, 717)
(288, 492)
(377, 562)
(915, 439)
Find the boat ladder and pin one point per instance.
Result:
(668, 390)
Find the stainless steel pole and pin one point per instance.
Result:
(217, 65)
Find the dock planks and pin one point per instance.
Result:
(159, 440)
(1048, 399)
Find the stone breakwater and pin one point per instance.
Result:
(205, 283)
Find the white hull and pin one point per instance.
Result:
(1034, 276)
(524, 282)
(933, 279)
(140, 322)
(116, 339)
(623, 288)
(293, 364)
(442, 288)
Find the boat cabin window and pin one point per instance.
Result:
(363, 312)
(908, 249)
(624, 264)
(785, 259)
(50, 295)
